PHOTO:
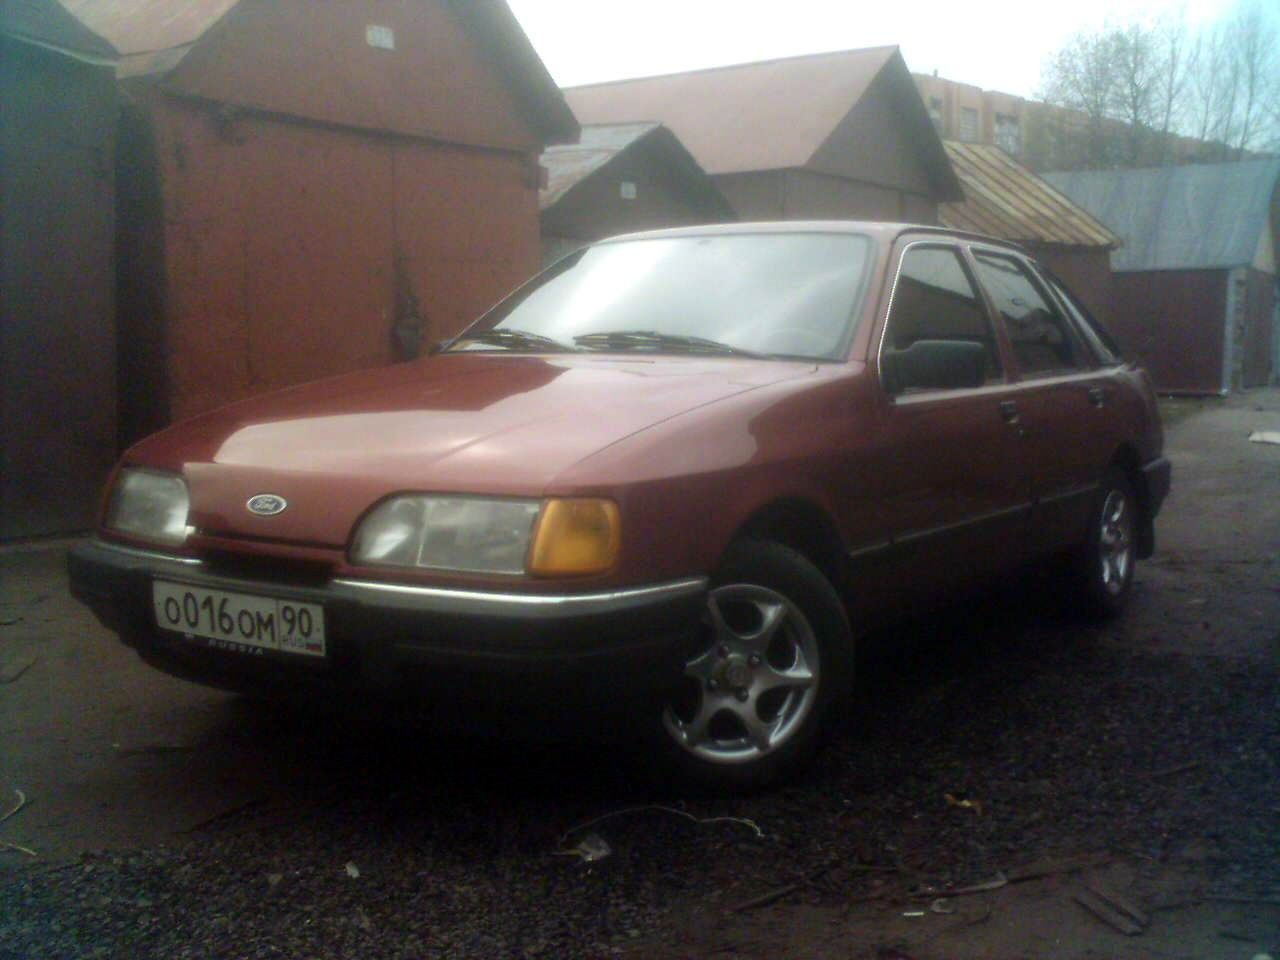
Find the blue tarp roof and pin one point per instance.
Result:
(1203, 216)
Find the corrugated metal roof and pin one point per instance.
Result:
(1204, 216)
(568, 165)
(770, 115)
(1004, 199)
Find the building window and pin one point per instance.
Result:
(1008, 134)
(968, 124)
(935, 112)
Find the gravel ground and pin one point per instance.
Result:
(1156, 738)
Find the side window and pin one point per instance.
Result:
(1042, 340)
(939, 334)
(1097, 336)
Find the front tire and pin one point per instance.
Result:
(776, 653)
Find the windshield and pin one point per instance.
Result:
(781, 294)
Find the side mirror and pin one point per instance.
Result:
(934, 365)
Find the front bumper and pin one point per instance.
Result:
(404, 640)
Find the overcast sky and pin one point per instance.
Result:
(996, 44)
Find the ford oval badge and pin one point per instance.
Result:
(267, 504)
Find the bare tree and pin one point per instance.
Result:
(1176, 63)
(1134, 87)
(1135, 64)
(1257, 67)
(1082, 77)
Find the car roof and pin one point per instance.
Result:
(883, 231)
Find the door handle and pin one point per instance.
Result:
(1097, 396)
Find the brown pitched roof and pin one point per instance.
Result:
(1004, 199)
(153, 36)
(48, 23)
(570, 164)
(148, 26)
(769, 115)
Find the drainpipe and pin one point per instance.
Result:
(1229, 333)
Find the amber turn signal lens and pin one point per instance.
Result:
(576, 537)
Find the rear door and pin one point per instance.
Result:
(1062, 396)
(951, 477)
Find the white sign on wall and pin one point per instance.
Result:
(381, 38)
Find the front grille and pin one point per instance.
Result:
(284, 570)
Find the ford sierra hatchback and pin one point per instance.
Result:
(677, 475)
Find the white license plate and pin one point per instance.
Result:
(237, 621)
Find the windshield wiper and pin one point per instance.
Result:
(513, 340)
(652, 340)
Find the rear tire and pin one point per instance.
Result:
(776, 653)
(1103, 567)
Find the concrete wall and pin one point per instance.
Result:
(1256, 336)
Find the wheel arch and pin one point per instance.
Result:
(805, 527)
(1126, 460)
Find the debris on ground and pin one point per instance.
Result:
(13, 668)
(353, 871)
(1113, 910)
(963, 802)
(1056, 866)
(777, 893)
(1265, 436)
(662, 808)
(591, 848)
(6, 844)
(995, 883)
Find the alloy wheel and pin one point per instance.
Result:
(750, 688)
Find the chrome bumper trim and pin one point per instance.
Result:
(523, 605)
(138, 553)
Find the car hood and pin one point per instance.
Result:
(474, 423)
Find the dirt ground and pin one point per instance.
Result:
(999, 744)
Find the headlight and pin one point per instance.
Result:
(483, 535)
(151, 505)
(469, 534)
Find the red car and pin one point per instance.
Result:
(678, 473)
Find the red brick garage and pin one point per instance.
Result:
(308, 189)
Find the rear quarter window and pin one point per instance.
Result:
(1042, 340)
(1090, 328)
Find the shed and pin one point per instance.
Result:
(834, 135)
(57, 335)
(622, 177)
(1004, 199)
(310, 188)
(1194, 294)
